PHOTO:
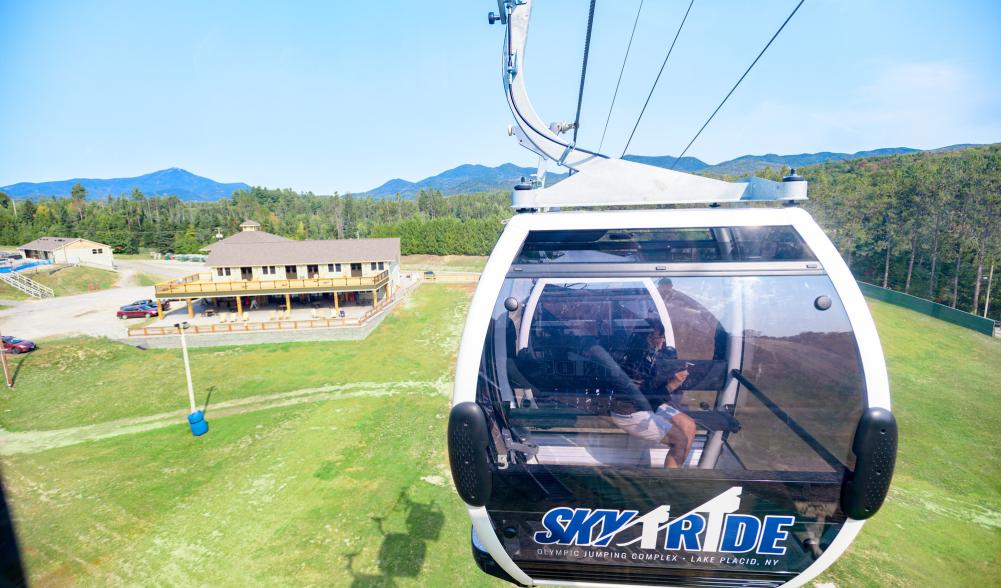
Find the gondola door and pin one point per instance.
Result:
(684, 403)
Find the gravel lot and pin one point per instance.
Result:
(92, 313)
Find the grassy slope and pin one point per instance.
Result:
(417, 342)
(355, 491)
(76, 280)
(65, 282)
(941, 525)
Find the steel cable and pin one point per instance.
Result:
(791, 14)
(654, 87)
(621, 71)
(583, 69)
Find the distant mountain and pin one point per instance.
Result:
(465, 179)
(470, 178)
(687, 164)
(748, 164)
(168, 182)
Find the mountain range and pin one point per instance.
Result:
(479, 178)
(464, 179)
(168, 182)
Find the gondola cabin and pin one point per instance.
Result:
(668, 397)
(663, 397)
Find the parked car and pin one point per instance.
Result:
(148, 302)
(15, 345)
(136, 311)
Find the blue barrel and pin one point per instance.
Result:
(199, 426)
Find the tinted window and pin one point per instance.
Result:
(597, 371)
(687, 245)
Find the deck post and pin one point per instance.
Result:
(288, 305)
(159, 309)
(239, 307)
(375, 297)
(191, 309)
(337, 303)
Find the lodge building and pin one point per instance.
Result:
(253, 267)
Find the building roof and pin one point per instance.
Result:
(53, 243)
(250, 223)
(281, 251)
(247, 238)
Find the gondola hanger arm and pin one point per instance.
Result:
(605, 181)
(531, 131)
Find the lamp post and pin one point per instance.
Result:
(199, 426)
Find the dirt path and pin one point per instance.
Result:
(34, 441)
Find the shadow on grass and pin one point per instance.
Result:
(401, 555)
(17, 369)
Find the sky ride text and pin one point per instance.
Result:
(713, 527)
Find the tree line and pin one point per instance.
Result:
(928, 224)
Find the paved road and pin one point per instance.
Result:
(92, 313)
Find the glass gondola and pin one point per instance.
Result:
(669, 397)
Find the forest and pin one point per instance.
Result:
(927, 223)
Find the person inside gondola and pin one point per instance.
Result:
(655, 372)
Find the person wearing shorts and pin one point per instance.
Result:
(659, 373)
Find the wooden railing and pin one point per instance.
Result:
(275, 325)
(203, 284)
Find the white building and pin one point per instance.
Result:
(71, 250)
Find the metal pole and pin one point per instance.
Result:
(187, 370)
(6, 368)
(990, 280)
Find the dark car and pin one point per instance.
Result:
(148, 302)
(136, 311)
(15, 345)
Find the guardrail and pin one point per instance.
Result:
(202, 283)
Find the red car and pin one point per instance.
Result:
(136, 311)
(15, 345)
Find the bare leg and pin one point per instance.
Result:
(679, 439)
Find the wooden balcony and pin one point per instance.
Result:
(203, 286)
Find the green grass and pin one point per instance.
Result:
(142, 279)
(327, 494)
(455, 263)
(9, 293)
(65, 282)
(76, 280)
(79, 381)
(941, 524)
(356, 491)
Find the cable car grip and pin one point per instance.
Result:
(875, 449)
(468, 439)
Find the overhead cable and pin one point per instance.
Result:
(583, 69)
(708, 120)
(621, 71)
(654, 87)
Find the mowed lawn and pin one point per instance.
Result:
(79, 381)
(355, 490)
(454, 263)
(941, 525)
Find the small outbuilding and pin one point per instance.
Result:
(71, 250)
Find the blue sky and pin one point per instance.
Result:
(343, 96)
